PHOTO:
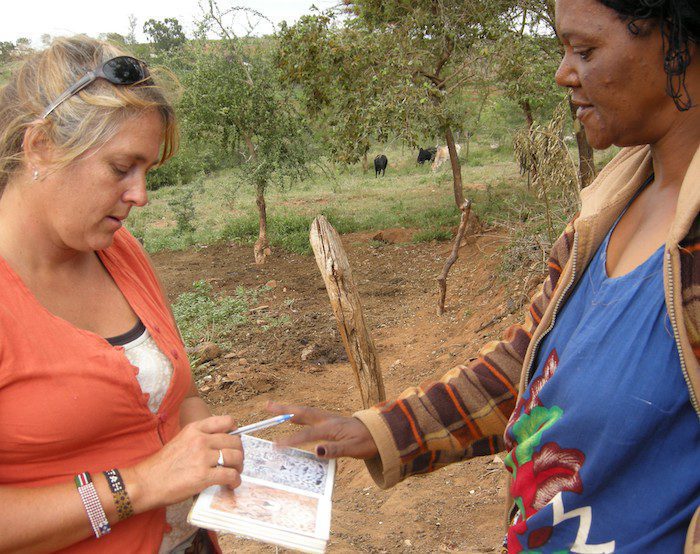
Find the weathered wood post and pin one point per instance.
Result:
(335, 269)
(442, 279)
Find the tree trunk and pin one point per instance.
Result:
(527, 110)
(365, 162)
(261, 250)
(586, 165)
(345, 301)
(442, 279)
(456, 168)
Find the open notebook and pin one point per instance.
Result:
(284, 498)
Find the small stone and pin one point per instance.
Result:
(242, 361)
(271, 284)
(206, 351)
(307, 352)
(407, 543)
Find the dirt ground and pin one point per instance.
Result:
(456, 509)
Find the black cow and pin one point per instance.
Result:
(380, 163)
(426, 155)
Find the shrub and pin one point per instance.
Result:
(204, 315)
(192, 160)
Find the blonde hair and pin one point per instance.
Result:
(84, 121)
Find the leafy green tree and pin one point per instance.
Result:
(233, 94)
(433, 41)
(346, 85)
(166, 36)
(23, 46)
(397, 65)
(525, 70)
(7, 50)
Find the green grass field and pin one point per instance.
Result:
(221, 207)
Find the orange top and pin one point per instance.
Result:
(70, 402)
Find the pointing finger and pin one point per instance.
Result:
(303, 415)
(308, 434)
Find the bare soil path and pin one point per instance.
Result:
(457, 509)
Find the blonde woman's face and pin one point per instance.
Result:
(87, 201)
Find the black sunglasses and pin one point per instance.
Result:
(122, 70)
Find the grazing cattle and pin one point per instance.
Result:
(442, 155)
(426, 155)
(380, 163)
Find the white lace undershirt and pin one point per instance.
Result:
(155, 373)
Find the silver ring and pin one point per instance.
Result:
(220, 461)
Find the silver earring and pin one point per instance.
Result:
(35, 175)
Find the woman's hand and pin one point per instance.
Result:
(188, 464)
(336, 436)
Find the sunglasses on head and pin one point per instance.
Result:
(122, 70)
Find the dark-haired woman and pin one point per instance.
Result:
(596, 397)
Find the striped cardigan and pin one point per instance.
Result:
(465, 413)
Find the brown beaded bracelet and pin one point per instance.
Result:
(121, 497)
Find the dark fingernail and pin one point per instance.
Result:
(320, 451)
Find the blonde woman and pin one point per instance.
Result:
(104, 437)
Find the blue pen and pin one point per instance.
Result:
(264, 424)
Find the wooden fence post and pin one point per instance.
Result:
(335, 269)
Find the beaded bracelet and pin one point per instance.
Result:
(121, 497)
(93, 507)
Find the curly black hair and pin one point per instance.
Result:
(679, 21)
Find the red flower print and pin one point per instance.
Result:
(556, 470)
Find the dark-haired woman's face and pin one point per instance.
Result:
(616, 78)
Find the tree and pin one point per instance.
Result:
(433, 40)
(131, 35)
(526, 66)
(23, 46)
(234, 93)
(345, 85)
(7, 50)
(401, 66)
(166, 35)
